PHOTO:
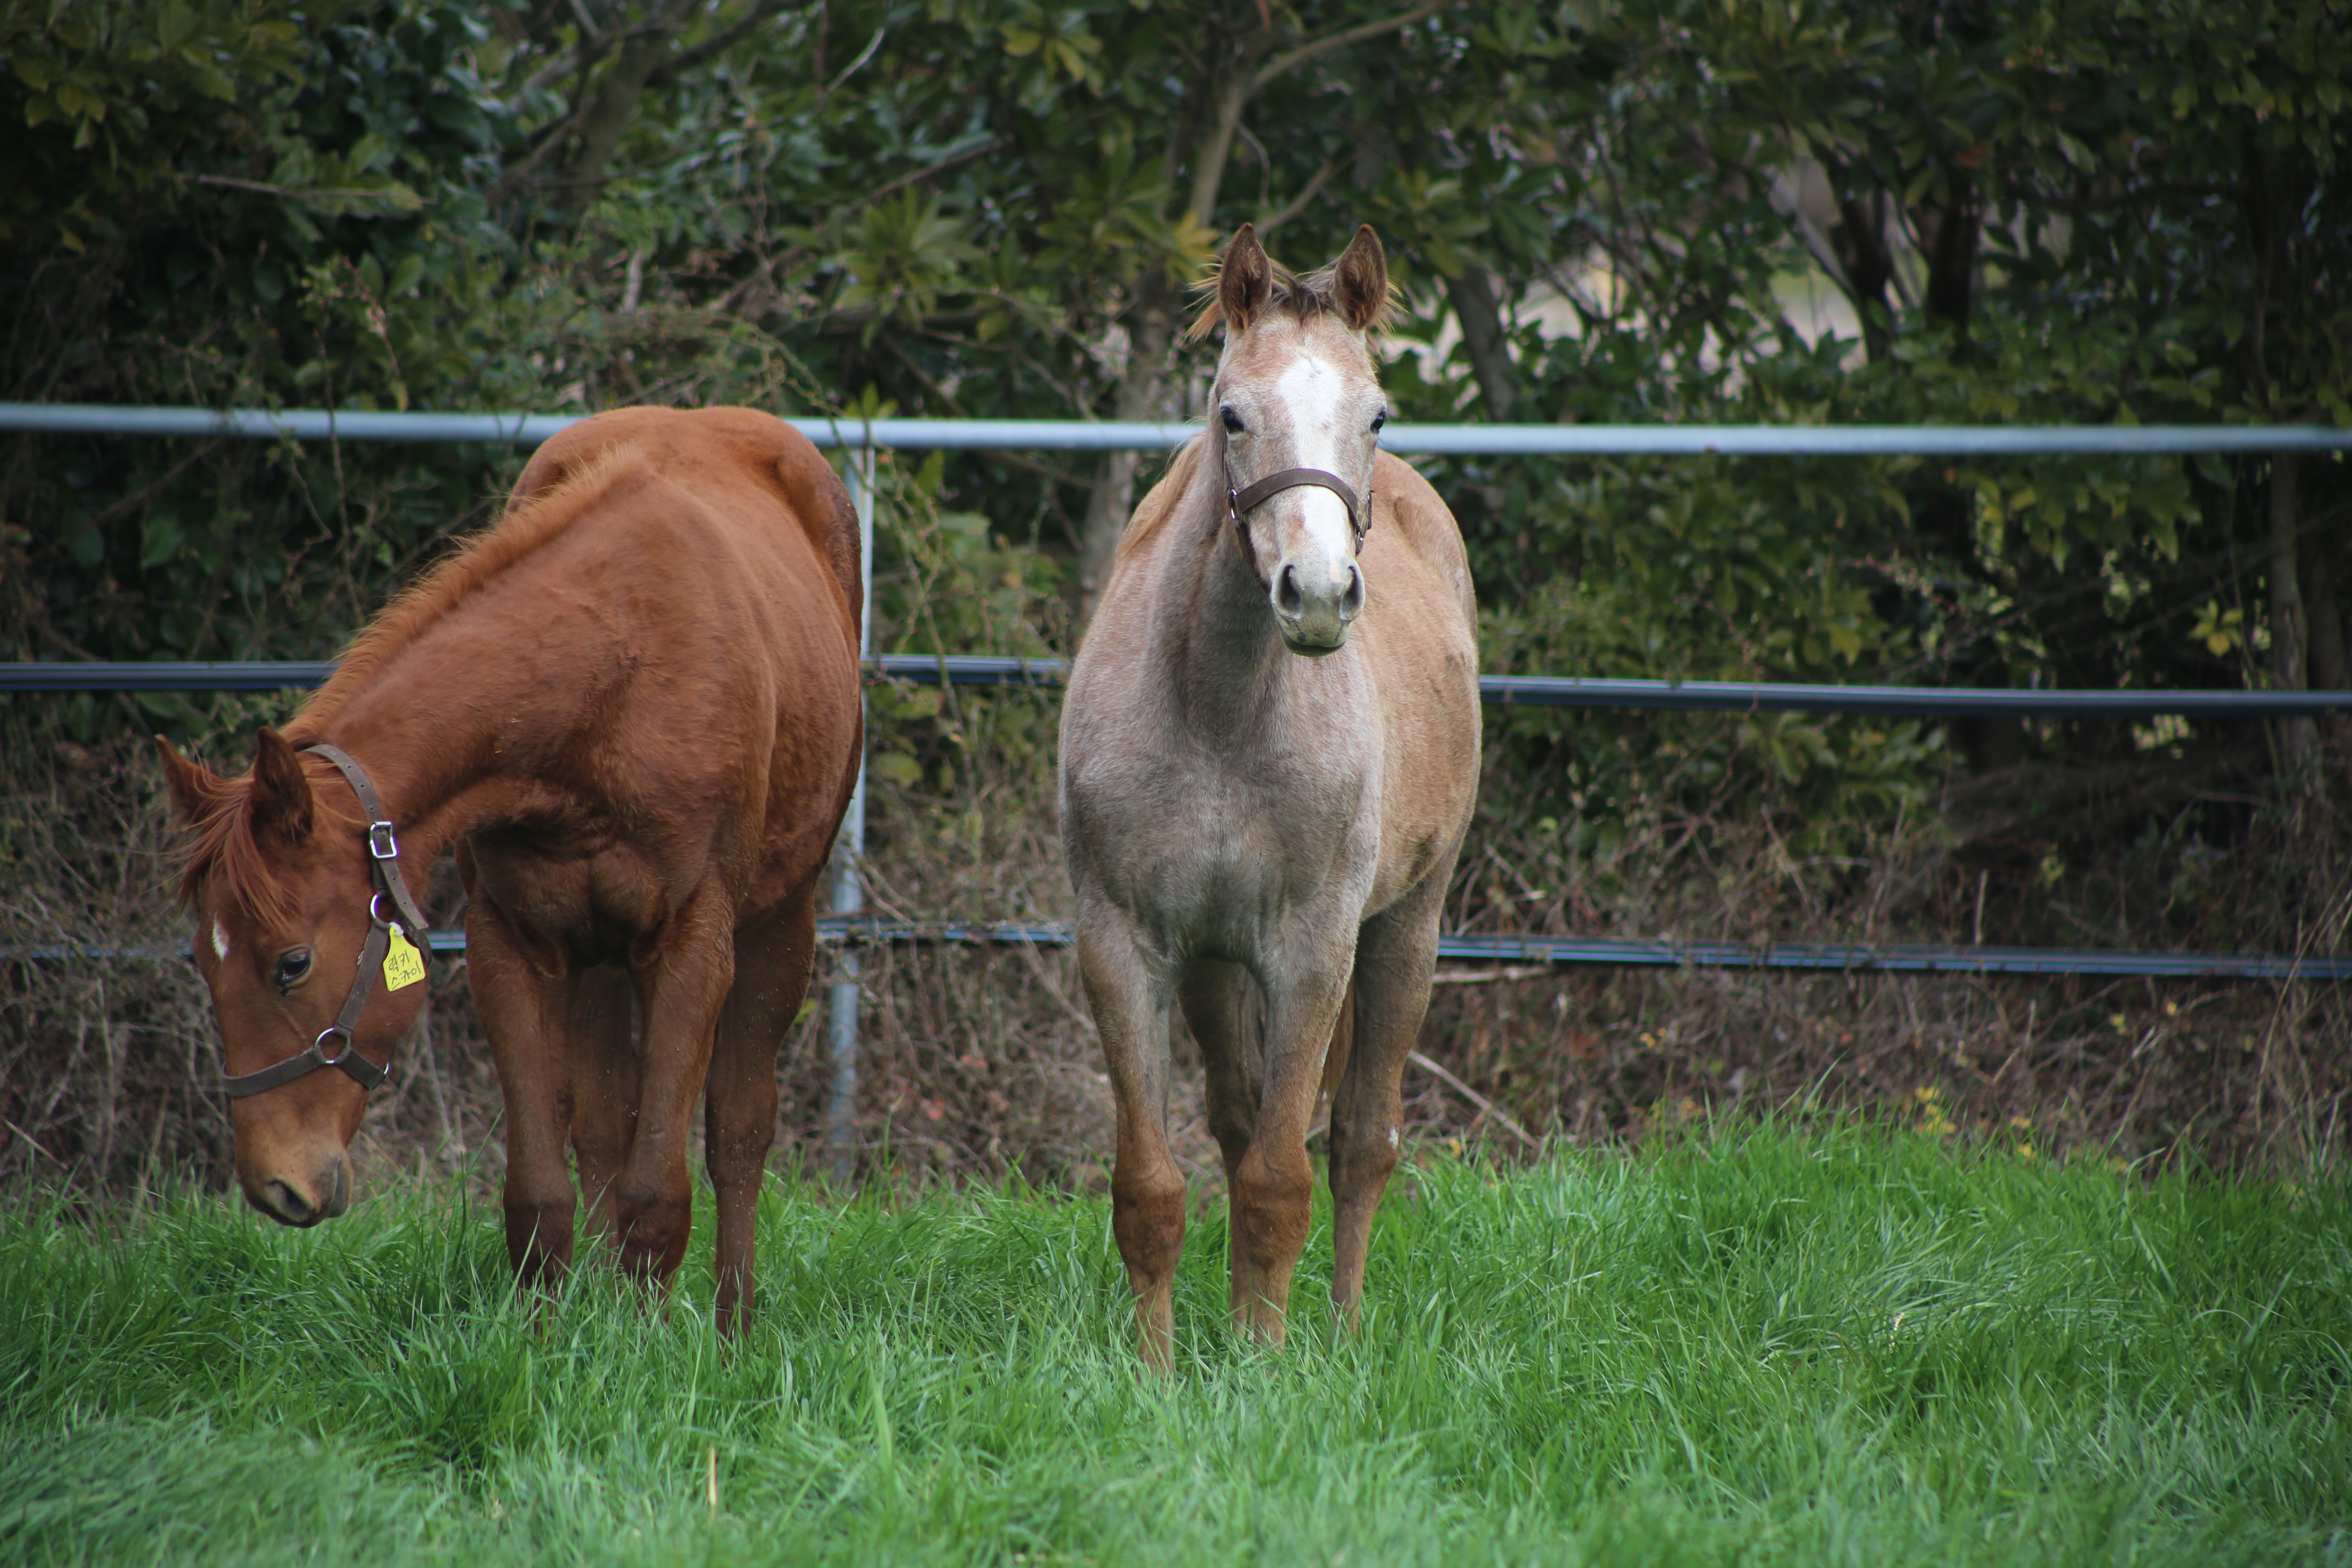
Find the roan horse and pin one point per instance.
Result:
(1269, 759)
(633, 707)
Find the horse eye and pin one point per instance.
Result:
(291, 966)
(1232, 420)
(1379, 419)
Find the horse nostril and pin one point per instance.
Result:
(1353, 599)
(1286, 597)
(288, 1206)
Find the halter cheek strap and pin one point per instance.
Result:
(390, 887)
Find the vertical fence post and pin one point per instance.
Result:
(848, 891)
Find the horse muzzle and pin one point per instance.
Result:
(300, 1202)
(1315, 605)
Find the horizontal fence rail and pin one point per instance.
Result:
(1506, 690)
(1555, 952)
(1116, 436)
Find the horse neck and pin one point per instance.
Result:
(1222, 663)
(448, 737)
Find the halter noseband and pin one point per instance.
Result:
(1238, 503)
(384, 859)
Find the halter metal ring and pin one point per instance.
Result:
(375, 910)
(320, 1044)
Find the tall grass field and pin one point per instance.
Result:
(1784, 1345)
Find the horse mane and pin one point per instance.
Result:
(1160, 503)
(1303, 297)
(528, 523)
(222, 842)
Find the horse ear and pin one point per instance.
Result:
(282, 791)
(191, 786)
(1244, 279)
(1359, 280)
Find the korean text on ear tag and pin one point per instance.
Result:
(403, 964)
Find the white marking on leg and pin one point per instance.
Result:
(220, 940)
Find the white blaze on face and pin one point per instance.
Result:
(220, 940)
(1314, 394)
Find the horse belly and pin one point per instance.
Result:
(589, 907)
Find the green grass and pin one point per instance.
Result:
(1842, 1347)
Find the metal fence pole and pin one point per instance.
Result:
(848, 891)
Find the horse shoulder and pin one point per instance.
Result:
(1407, 505)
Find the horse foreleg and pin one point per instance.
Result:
(1221, 1005)
(772, 977)
(1395, 953)
(681, 990)
(523, 1012)
(1274, 1185)
(604, 1089)
(1132, 997)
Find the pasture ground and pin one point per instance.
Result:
(1779, 1345)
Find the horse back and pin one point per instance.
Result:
(718, 454)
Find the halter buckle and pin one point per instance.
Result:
(381, 844)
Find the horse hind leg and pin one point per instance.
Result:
(682, 988)
(1221, 1003)
(772, 977)
(1395, 955)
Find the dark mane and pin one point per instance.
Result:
(1305, 297)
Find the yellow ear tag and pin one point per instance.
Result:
(403, 964)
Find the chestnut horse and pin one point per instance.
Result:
(632, 707)
(1269, 759)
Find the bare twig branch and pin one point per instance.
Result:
(1316, 48)
(1297, 204)
(686, 60)
(1501, 1119)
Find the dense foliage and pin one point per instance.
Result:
(2060, 212)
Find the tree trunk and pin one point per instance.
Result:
(607, 118)
(1143, 388)
(2290, 640)
(2323, 614)
(1473, 297)
(1860, 239)
(1144, 384)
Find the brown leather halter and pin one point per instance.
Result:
(1240, 502)
(384, 859)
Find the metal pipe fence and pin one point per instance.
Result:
(523, 430)
(1497, 690)
(850, 933)
(862, 438)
